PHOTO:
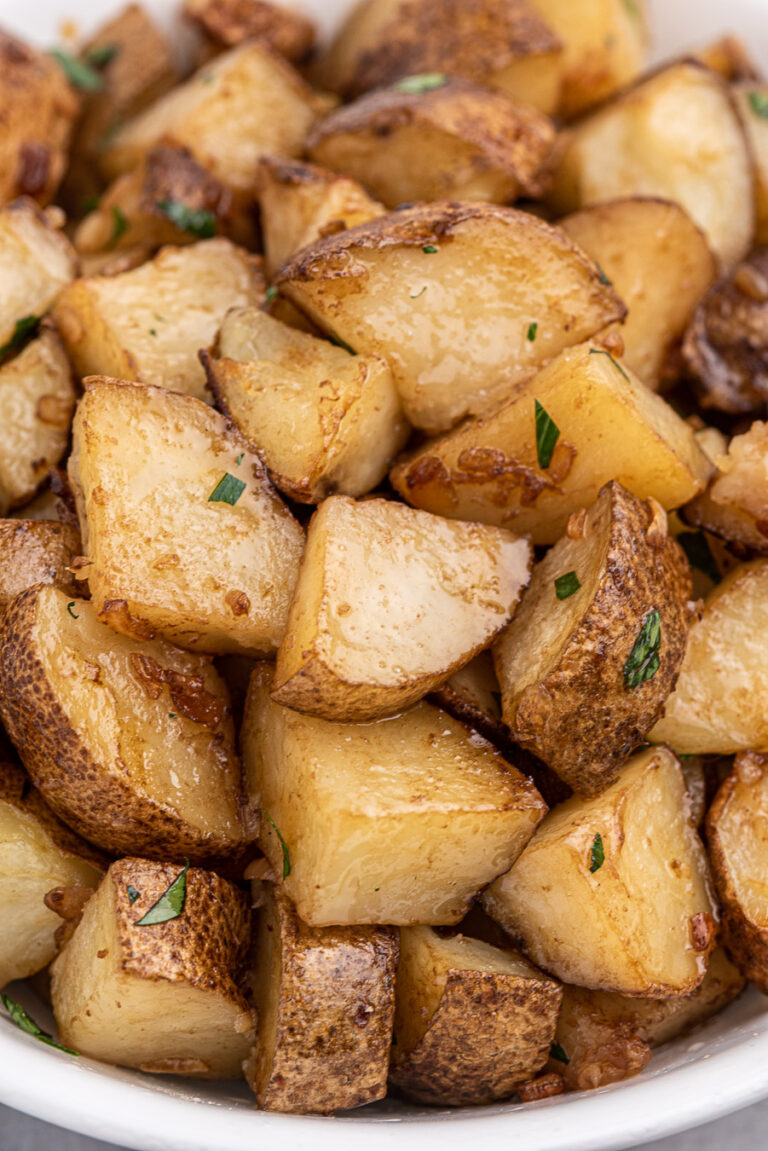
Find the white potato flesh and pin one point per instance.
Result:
(37, 261)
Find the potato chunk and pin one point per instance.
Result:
(131, 744)
(613, 893)
(36, 551)
(37, 853)
(752, 102)
(389, 603)
(160, 996)
(600, 634)
(661, 266)
(676, 134)
(735, 505)
(201, 549)
(326, 1001)
(399, 821)
(226, 23)
(416, 286)
(148, 324)
(472, 1022)
(37, 262)
(491, 469)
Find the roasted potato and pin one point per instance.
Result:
(160, 995)
(201, 550)
(601, 634)
(472, 1022)
(389, 603)
(752, 102)
(677, 135)
(132, 745)
(226, 23)
(473, 695)
(411, 840)
(729, 56)
(413, 287)
(37, 261)
(325, 998)
(613, 893)
(36, 551)
(735, 505)
(661, 266)
(503, 468)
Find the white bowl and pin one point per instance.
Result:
(723, 1066)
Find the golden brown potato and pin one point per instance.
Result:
(325, 998)
(752, 102)
(452, 140)
(415, 286)
(719, 703)
(501, 43)
(661, 266)
(601, 634)
(36, 551)
(37, 853)
(226, 23)
(148, 324)
(729, 56)
(391, 601)
(37, 399)
(37, 262)
(677, 135)
(473, 695)
(545, 454)
(131, 744)
(410, 841)
(613, 893)
(194, 544)
(323, 421)
(735, 505)
(160, 996)
(472, 1022)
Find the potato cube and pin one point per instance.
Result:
(226, 23)
(735, 505)
(36, 551)
(37, 262)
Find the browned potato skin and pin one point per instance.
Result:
(36, 551)
(335, 1001)
(729, 57)
(16, 789)
(735, 505)
(226, 23)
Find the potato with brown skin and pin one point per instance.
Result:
(226, 23)
(325, 997)
(735, 505)
(37, 260)
(36, 551)
(161, 997)
(132, 744)
(600, 633)
(729, 56)
(472, 1022)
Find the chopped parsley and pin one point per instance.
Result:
(170, 905)
(227, 491)
(74, 614)
(616, 364)
(530, 335)
(426, 82)
(567, 585)
(119, 226)
(283, 845)
(272, 294)
(198, 222)
(102, 54)
(24, 330)
(633, 9)
(557, 1052)
(430, 250)
(339, 343)
(603, 278)
(19, 1017)
(699, 554)
(172, 715)
(89, 204)
(239, 459)
(596, 854)
(153, 331)
(132, 893)
(418, 294)
(79, 73)
(643, 662)
(758, 102)
(547, 435)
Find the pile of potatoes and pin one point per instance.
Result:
(383, 567)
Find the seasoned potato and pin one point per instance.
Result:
(473, 695)
(415, 286)
(661, 266)
(160, 996)
(325, 998)
(677, 135)
(718, 705)
(125, 762)
(300, 203)
(735, 505)
(752, 102)
(201, 550)
(390, 602)
(472, 1022)
(452, 140)
(36, 551)
(226, 23)
(728, 55)
(37, 399)
(37, 261)
(613, 893)
(323, 421)
(37, 853)
(501, 43)
(148, 324)
(410, 841)
(600, 634)
(607, 1037)
(492, 469)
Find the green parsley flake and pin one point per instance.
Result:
(272, 294)
(153, 332)
(339, 343)
(70, 605)
(102, 54)
(530, 335)
(567, 585)
(227, 491)
(197, 222)
(79, 74)
(24, 330)
(643, 662)
(119, 226)
(603, 278)
(132, 893)
(547, 435)
(172, 715)
(596, 854)
(426, 82)
(239, 459)
(633, 9)
(19, 1017)
(430, 250)
(283, 845)
(417, 295)
(557, 1052)
(699, 554)
(170, 905)
(89, 204)
(616, 364)
(758, 102)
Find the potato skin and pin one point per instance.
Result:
(15, 789)
(36, 551)
(228, 22)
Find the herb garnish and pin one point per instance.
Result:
(418, 294)
(557, 1052)
(758, 102)
(25, 329)
(153, 331)
(170, 905)
(567, 585)
(596, 854)
(633, 9)
(532, 330)
(70, 605)
(699, 554)
(89, 204)
(133, 894)
(18, 1015)
(430, 250)
(172, 715)
(119, 226)
(339, 343)
(272, 294)
(227, 491)
(283, 844)
(547, 435)
(239, 459)
(79, 74)
(616, 364)
(426, 82)
(643, 662)
(102, 54)
(198, 222)
(603, 278)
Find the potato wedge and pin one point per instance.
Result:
(226, 23)
(414, 287)
(325, 998)
(490, 469)
(36, 551)
(37, 853)
(472, 1022)
(389, 603)
(453, 140)
(677, 135)
(661, 266)
(409, 841)
(600, 634)
(37, 260)
(37, 400)
(201, 550)
(735, 505)
(161, 996)
(148, 324)
(613, 893)
(752, 102)
(126, 763)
